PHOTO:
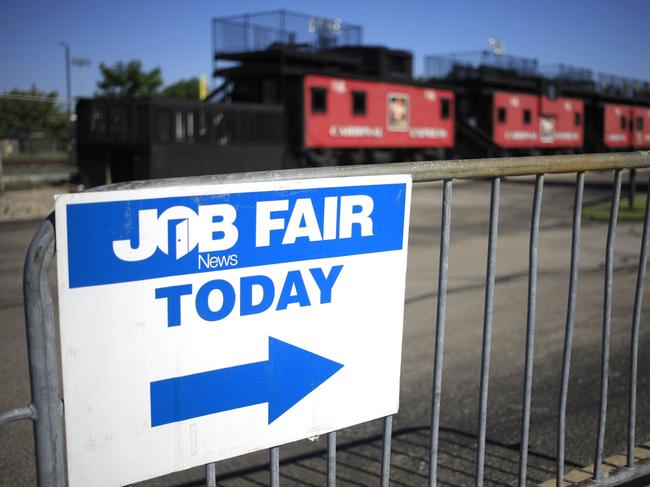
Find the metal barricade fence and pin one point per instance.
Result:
(46, 409)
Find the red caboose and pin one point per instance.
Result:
(626, 126)
(354, 114)
(528, 121)
(344, 103)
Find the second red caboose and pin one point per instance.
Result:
(532, 121)
(625, 126)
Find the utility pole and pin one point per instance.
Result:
(68, 89)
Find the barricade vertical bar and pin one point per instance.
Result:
(487, 329)
(385, 451)
(43, 358)
(2, 181)
(211, 475)
(607, 314)
(530, 327)
(275, 467)
(331, 459)
(570, 317)
(440, 330)
(634, 337)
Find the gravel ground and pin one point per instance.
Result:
(29, 204)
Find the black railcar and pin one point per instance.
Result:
(123, 140)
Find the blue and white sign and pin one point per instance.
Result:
(200, 323)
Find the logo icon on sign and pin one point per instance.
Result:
(184, 228)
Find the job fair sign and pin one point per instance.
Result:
(203, 322)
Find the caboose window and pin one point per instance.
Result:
(639, 123)
(623, 123)
(527, 117)
(501, 114)
(577, 120)
(444, 107)
(318, 100)
(359, 102)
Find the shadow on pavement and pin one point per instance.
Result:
(359, 463)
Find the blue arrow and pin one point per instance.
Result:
(285, 378)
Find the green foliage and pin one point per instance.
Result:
(625, 213)
(128, 80)
(28, 111)
(187, 89)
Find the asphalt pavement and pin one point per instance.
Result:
(359, 448)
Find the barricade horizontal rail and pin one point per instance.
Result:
(421, 171)
(46, 409)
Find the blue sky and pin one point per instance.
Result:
(608, 36)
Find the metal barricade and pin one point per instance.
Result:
(46, 409)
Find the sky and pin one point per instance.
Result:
(605, 36)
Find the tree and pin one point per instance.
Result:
(128, 80)
(23, 112)
(187, 89)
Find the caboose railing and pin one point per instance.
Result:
(262, 30)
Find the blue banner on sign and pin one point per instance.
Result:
(123, 241)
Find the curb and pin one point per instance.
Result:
(611, 465)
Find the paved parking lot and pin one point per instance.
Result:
(359, 447)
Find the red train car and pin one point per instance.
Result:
(528, 121)
(641, 127)
(561, 122)
(616, 126)
(346, 113)
(626, 126)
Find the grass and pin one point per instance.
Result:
(625, 213)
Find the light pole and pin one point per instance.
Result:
(68, 89)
